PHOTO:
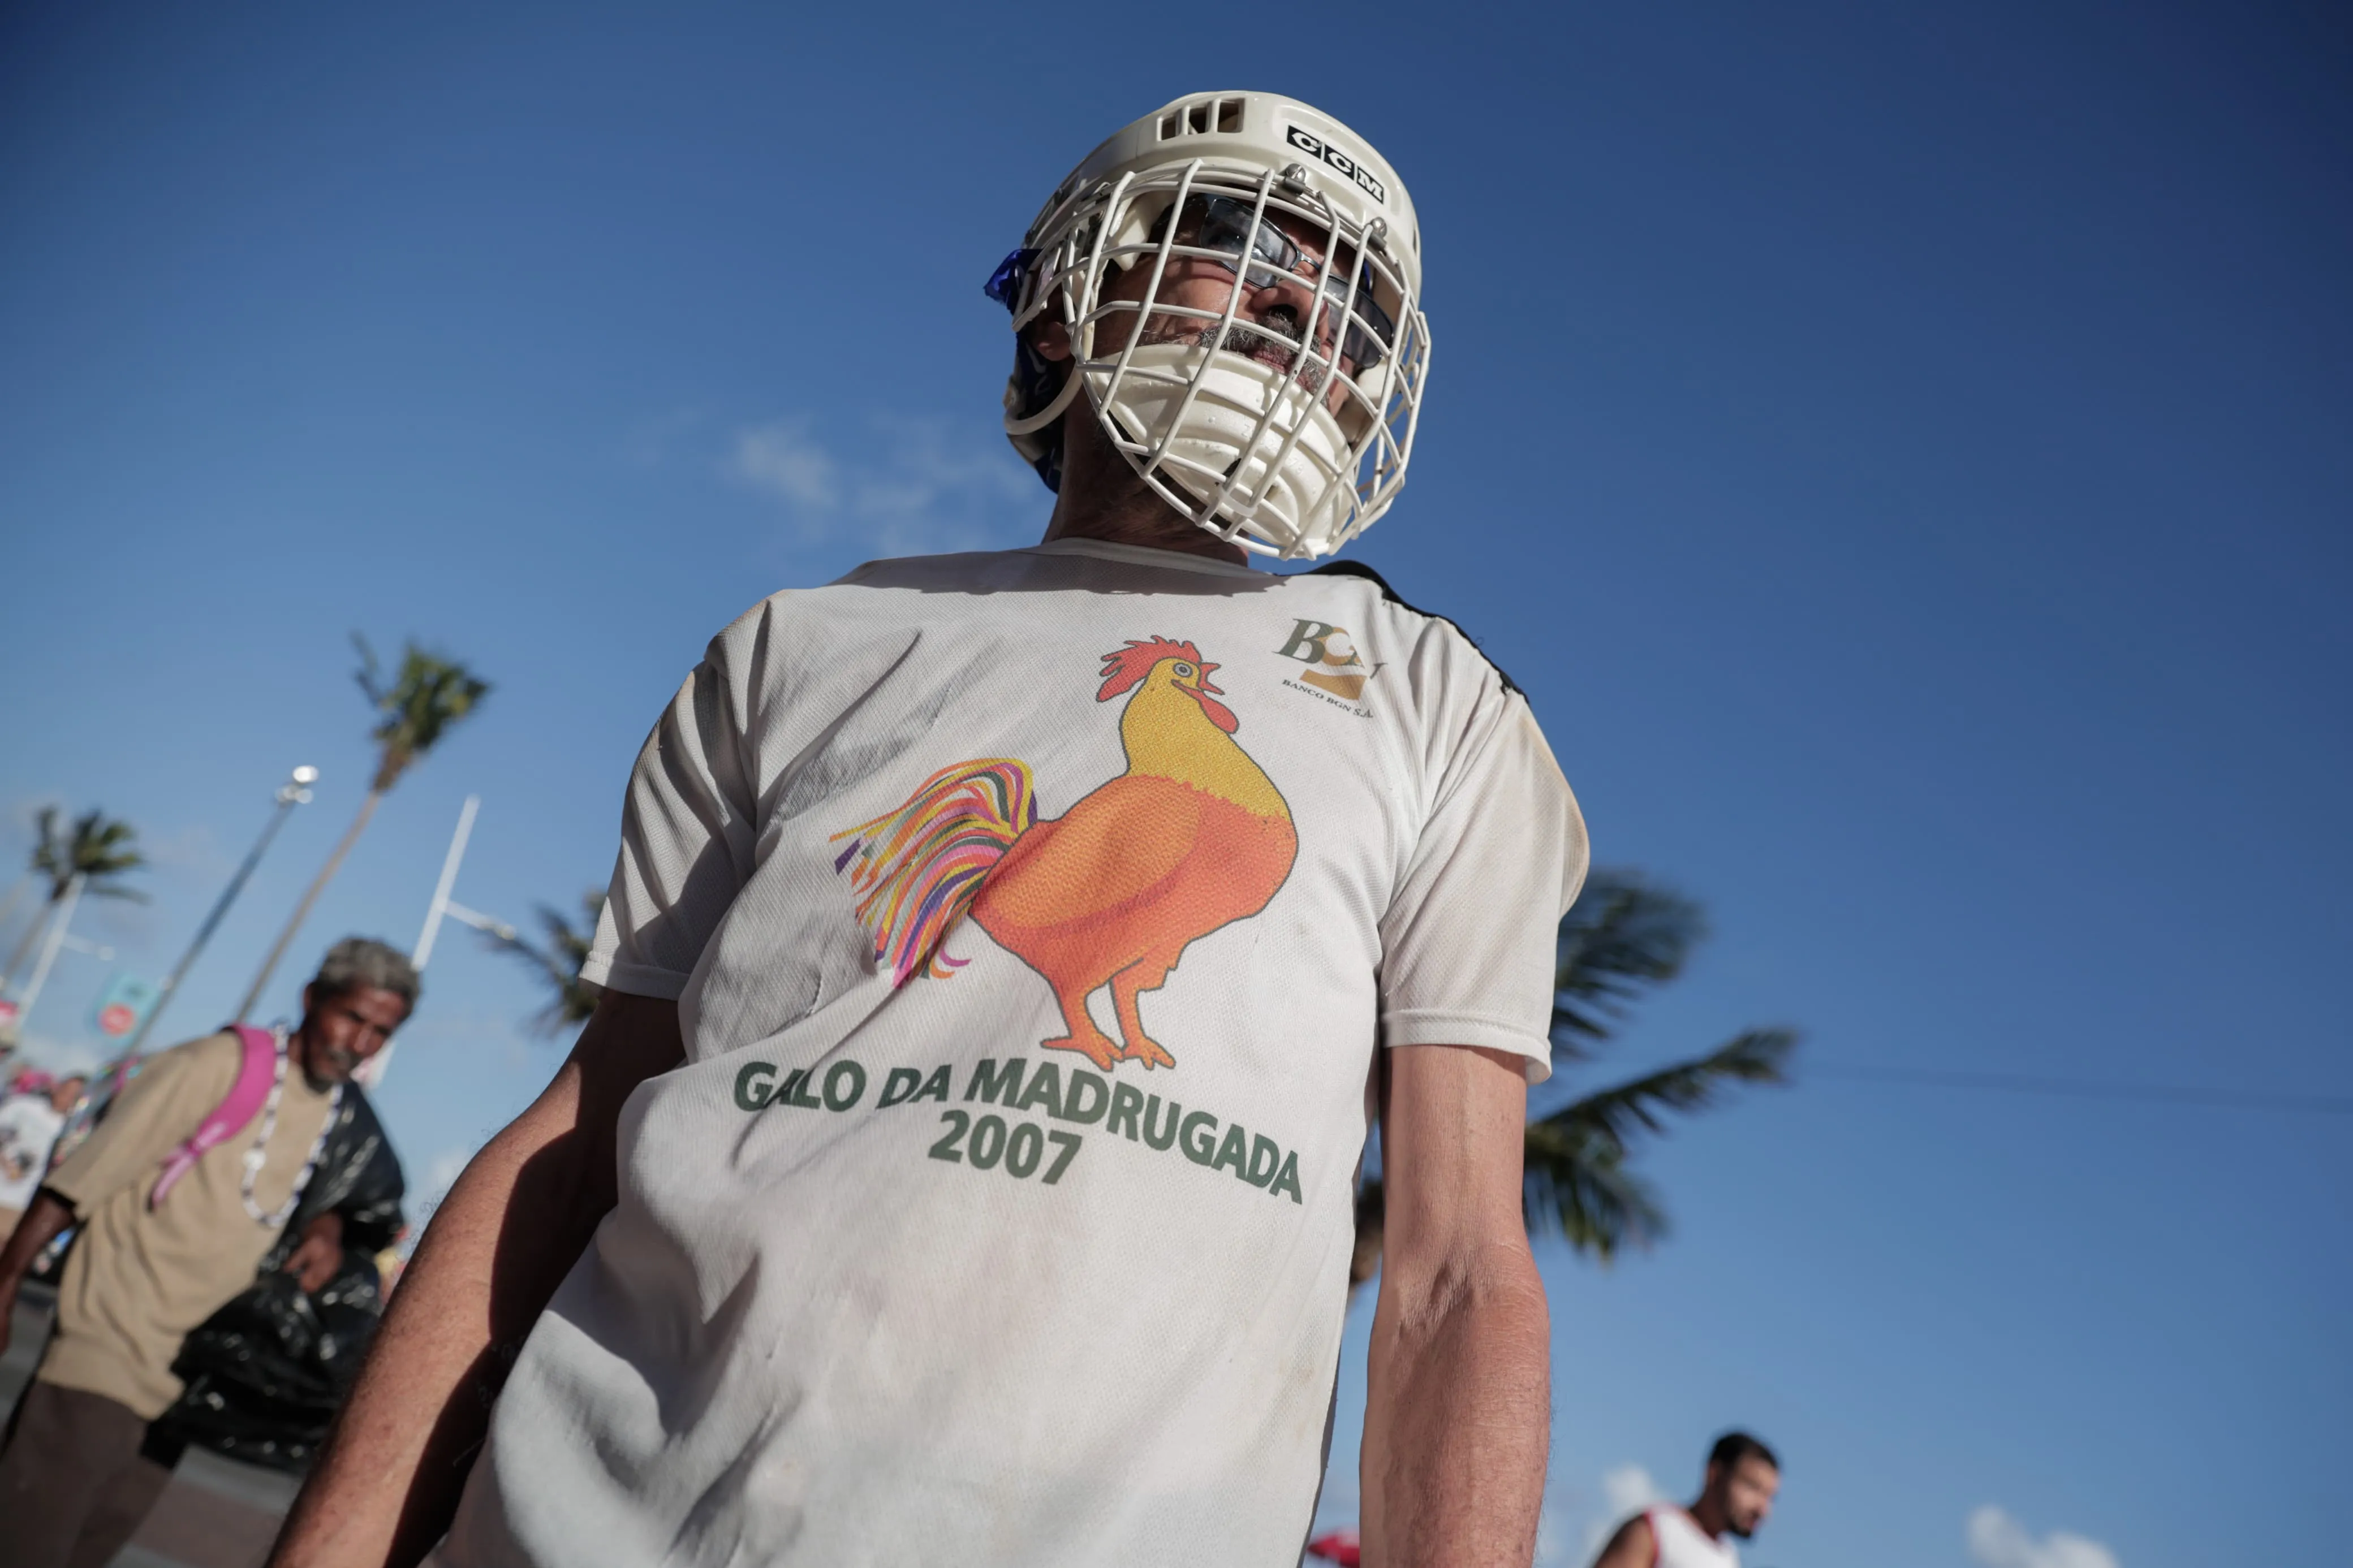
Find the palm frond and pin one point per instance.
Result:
(557, 961)
(425, 698)
(1623, 935)
(1576, 1178)
(1754, 1056)
(51, 855)
(1575, 1183)
(97, 848)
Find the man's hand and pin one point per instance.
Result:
(314, 1262)
(39, 1226)
(1458, 1413)
(387, 1483)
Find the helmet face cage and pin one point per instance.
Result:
(1307, 443)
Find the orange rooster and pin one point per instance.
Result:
(1193, 837)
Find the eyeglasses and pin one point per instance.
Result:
(1223, 223)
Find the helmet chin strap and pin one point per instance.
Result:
(1048, 414)
(1232, 443)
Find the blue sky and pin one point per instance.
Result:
(1902, 453)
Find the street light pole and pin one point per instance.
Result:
(423, 952)
(57, 938)
(294, 791)
(371, 1071)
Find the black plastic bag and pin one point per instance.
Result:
(267, 1373)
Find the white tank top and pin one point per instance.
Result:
(1678, 1542)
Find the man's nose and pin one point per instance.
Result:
(1297, 295)
(1295, 300)
(1280, 290)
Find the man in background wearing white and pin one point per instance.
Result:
(30, 1121)
(1736, 1496)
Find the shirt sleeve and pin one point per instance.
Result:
(1470, 940)
(688, 832)
(157, 1112)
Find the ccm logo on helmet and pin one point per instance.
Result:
(1316, 147)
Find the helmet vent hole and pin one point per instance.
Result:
(1221, 114)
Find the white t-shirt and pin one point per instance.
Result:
(1678, 1542)
(29, 1126)
(912, 1262)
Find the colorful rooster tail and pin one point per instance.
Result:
(919, 867)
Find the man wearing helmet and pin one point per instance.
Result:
(960, 1164)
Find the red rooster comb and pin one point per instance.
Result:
(1131, 664)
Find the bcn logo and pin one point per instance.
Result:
(1316, 147)
(1337, 668)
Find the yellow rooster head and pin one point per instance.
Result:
(1157, 663)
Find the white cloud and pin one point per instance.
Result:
(1998, 1540)
(1552, 1544)
(1626, 1491)
(782, 458)
(923, 491)
(1576, 1522)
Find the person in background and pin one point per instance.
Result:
(156, 1259)
(1736, 1496)
(30, 1120)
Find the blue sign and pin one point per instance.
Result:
(126, 1000)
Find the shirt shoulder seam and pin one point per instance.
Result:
(1359, 569)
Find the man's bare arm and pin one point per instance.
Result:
(1631, 1547)
(1458, 1414)
(389, 1481)
(36, 1228)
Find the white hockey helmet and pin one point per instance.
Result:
(1284, 435)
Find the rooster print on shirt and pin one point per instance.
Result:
(1191, 838)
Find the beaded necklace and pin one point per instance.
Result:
(257, 1156)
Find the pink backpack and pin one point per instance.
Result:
(254, 1073)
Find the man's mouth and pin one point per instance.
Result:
(1280, 354)
(1273, 341)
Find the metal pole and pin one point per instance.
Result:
(15, 895)
(371, 1071)
(294, 791)
(450, 862)
(49, 949)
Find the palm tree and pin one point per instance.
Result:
(1623, 936)
(97, 850)
(558, 961)
(426, 698)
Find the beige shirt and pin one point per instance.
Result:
(140, 1280)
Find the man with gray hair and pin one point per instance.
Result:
(180, 1194)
